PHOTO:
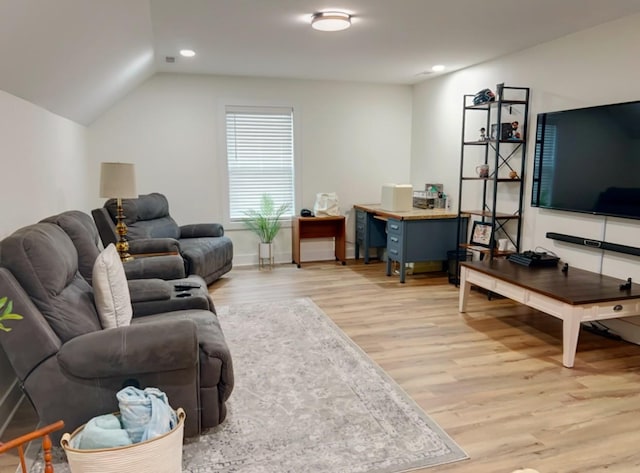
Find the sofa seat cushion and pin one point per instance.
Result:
(205, 255)
(111, 291)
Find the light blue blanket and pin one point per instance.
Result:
(102, 432)
(145, 414)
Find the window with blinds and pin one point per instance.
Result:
(544, 164)
(260, 158)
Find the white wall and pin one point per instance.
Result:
(352, 138)
(588, 68)
(43, 173)
(44, 164)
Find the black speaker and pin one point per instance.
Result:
(603, 245)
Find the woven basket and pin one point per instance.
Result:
(161, 454)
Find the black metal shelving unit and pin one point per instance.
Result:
(505, 156)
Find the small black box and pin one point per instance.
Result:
(506, 131)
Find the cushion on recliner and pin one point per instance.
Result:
(164, 227)
(44, 261)
(144, 207)
(110, 289)
(84, 235)
(146, 217)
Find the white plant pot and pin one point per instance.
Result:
(265, 255)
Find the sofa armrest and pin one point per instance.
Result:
(160, 267)
(166, 345)
(106, 227)
(145, 290)
(142, 246)
(199, 230)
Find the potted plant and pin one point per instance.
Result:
(6, 307)
(265, 222)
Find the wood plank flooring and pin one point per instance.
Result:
(493, 379)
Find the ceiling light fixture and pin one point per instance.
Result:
(187, 52)
(437, 68)
(330, 21)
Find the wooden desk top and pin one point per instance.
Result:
(575, 287)
(413, 214)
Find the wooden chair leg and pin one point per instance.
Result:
(46, 454)
(23, 464)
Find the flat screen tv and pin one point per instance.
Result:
(588, 160)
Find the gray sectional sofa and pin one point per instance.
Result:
(156, 284)
(71, 368)
(206, 251)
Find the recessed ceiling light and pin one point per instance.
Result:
(437, 68)
(187, 52)
(330, 21)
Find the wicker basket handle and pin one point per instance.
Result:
(64, 441)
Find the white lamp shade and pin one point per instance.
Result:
(118, 180)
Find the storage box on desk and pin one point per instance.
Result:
(397, 197)
(162, 454)
(420, 200)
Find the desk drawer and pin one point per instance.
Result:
(395, 227)
(361, 217)
(394, 246)
(612, 310)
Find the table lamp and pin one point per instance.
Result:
(118, 181)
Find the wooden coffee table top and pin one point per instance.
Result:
(576, 286)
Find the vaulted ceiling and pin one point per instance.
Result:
(78, 57)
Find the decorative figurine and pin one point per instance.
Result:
(483, 134)
(515, 134)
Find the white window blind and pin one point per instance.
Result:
(259, 158)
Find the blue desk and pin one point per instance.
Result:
(412, 236)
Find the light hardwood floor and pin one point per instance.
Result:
(493, 379)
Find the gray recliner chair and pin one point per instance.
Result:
(207, 252)
(70, 368)
(151, 280)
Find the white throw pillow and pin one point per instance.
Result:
(110, 289)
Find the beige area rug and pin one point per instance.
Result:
(308, 399)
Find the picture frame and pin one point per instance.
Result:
(506, 131)
(481, 234)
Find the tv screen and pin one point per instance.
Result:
(588, 160)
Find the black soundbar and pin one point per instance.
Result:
(602, 245)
